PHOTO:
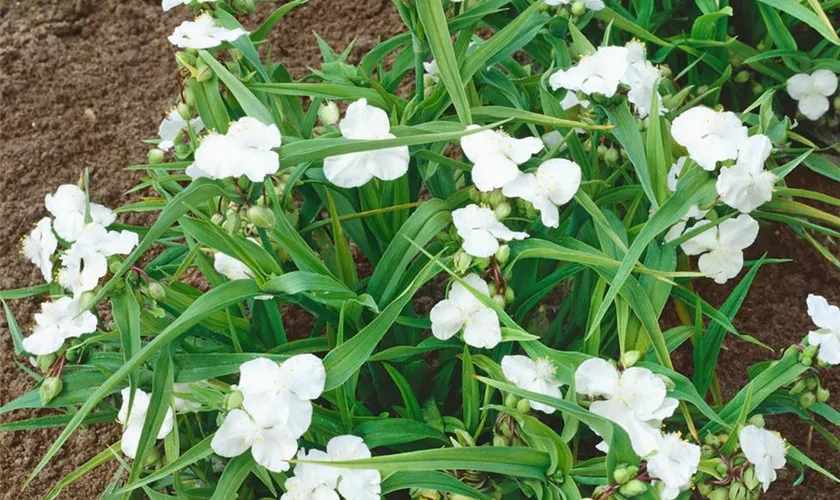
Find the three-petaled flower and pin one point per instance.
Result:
(58, 321)
(463, 311)
(722, 247)
(674, 463)
(315, 480)
(709, 136)
(812, 91)
(554, 183)
(539, 376)
(765, 449)
(203, 33)
(246, 149)
(747, 185)
(481, 230)
(496, 156)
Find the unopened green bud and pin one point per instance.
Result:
(810, 351)
(798, 387)
(502, 254)
(523, 406)
(723, 438)
(156, 291)
(50, 388)
(711, 440)
(669, 384)
(189, 96)
(155, 156)
(233, 400)
(475, 195)
(86, 299)
(721, 468)
(261, 217)
(622, 475)
(511, 401)
(707, 452)
(462, 262)
(823, 394)
(499, 440)
(807, 399)
(510, 296)
(756, 420)
(704, 488)
(45, 361)
(426, 494)
(502, 210)
(217, 219)
(742, 76)
(243, 6)
(328, 113)
(496, 197)
(633, 488)
(602, 150)
(665, 71)
(152, 457)
(184, 110)
(630, 358)
(812, 383)
(611, 156)
(72, 354)
(702, 89)
(807, 361)
(485, 197)
(578, 8)
(184, 59)
(499, 300)
(721, 493)
(114, 265)
(204, 74)
(482, 263)
(757, 88)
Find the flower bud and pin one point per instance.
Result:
(261, 217)
(669, 384)
(231, 223)
(622, 475)
(630, 358)
(756, 420)
(721, 493)
(482, 263)
(823, 394)
(757, 88)
(152, 457)
(807, 361)
(184, 110)
(243, 6)
(463, 260)
(578, 8)
(502, 210)
(737, 491)
(523, 406)
(50, 388)
(633, 488)
(217, 219)
(86, 299)
(155, 156)
(156, 291)
(475, 195)
(425, 494)
(496, 197)
(502, 254)
(602, 150)
(810, 351)
(721, 467)
(184, 59)
(704, 488)
(511, 401)
(189, 96)
(742, 76)
(811, 383)
(499, 440)
(798, 387)
(707, 452)
(45, 361)
(204, 74)
(807, 399)
(328, 113)
(665, 71)
(711, 440)
(510, 296)
(499, 300)
(611, 156)
(233, 400)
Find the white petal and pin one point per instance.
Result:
(829, 346)
(520, 150)
(447, 319)
(360, 484)
(824, 81)
(799, 86)
(721, 264)
(464, 298)
(231, 268)
(561, 179)
(363, 121)
(703, 242)
(596, 378)
(813, 106)
(235, 435)
(479, 144)
(252, 133)
(131, 440)
(39, 247)
(43, 341)
(388, 164)
(738, 233)
(822, 313)
(483, 329)
(273, 448)
(522, 186)
(347, 447)
(347, 170)
(260, 376)
(520, 370)
(493, 171)
(304, 376)
(480, 243)
(500, 231)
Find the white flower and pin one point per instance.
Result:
(431, 71)
(276, 410)
(231, 268)
(598, 73)
(570, 100)
(68, 206)
(86, 261)
(480, 229)
(709, 136)
(747, 185)
(538, 376)
(765, 450)
(827, 318)
(642, 77)
(171, 4)
(58, 321)
(39, 247)
(313, 481)
(635, 400)
(674, 463)
(555, 183)
(133, 420)
(203, 33)
(589, 4)
(812, 91)
(722, 247)
(496, 156)
(463, 311)
(172, 125)
(246, 149)
(364, 122)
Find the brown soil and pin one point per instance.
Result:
(82, 80)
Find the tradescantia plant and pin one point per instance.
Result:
(554, 164)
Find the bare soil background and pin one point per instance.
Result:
(83, 80)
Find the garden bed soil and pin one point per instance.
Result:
(83, 80)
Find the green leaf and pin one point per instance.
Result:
(159, 406)
(235, 473)
(437, 481)
(395, 431)
(14, 328)
(816, 20)
(195, 454)
(627, 134)
(249, 102)
(437, 33)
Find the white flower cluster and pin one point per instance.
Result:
(86, 246)
(246, 149)
(312, 480)
(609, 67)
(276, 410)
(710, 137)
